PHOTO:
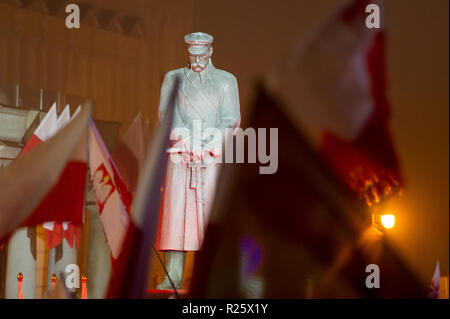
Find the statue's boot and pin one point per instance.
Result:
(174, 263)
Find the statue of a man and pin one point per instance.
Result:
(207, 98)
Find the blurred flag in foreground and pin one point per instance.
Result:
(42, 173)
(46, 129)
(56, 231)
(130, 271)
(111, 195)
(297, 233)
(65, 202)
(334, 85)
(433, 291)
(129, 154)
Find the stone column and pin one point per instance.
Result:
(99, 260)
(21, 258)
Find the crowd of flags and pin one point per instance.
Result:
(61, 211)
(61, 207)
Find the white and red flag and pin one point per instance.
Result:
(46, 129)
(130, 270)
(129, 154)
(43, 175)
(112, 197)
(334, 86)
(65, 201)
(56, 231)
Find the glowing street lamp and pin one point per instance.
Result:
(388, 221)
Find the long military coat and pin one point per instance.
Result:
(211, 98)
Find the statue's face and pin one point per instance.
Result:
(198, 62)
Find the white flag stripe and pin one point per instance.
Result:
(76, 111)
(49, 225)
(112, 211)
(63, 118)
(134, 139)
(47, 128)
(65, 225)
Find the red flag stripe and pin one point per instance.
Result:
(66, 199)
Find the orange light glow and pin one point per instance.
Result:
(388, 221)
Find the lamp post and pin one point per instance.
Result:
(84, 294)
(53, 279)
(383, 221)
(19, 285)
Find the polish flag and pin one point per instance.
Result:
(334, 87)
(129, 154)
(113, 200)
(56, 231)
(65, 201)
(36, 176)
(61, 121)
(46, 129)
(130, 270)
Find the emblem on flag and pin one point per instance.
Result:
(103, 186)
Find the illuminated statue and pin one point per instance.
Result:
(207, 98)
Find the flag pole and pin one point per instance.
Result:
(41, 100)
(17, 95)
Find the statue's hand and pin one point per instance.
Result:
(198, 153)
(186, 144)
